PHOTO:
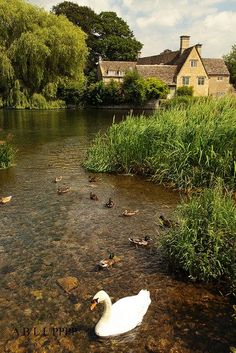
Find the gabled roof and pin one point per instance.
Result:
(215, 66)
(168, 57)
(165, 73)
(122, 66)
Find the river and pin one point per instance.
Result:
(45, 236)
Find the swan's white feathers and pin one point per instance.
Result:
(122, 316)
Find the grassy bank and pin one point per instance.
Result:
(203, 245)
(188, 146)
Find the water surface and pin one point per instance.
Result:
(45, 236)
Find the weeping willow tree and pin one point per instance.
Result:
(39, 53)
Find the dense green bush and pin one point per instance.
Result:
(140, 90)
(38, 101)
(188, 147)
(184, 91)
(7, 154)
(155, 88)
(203, 245)
(100, 93)
(133, 90)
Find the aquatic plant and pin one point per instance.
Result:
(203, 245)
(189, 147)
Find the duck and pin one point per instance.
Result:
(128, 213)
(141, 242)
(167, 223)
(106, 263)
(93, 179)
(122, 316)
(57, 179)
(110, 203)
(63, 189)
(93, 196)
(5, 199)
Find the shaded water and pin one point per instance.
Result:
(45, 236)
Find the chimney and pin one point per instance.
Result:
(184, 43)
(139, 55)
(199, 48)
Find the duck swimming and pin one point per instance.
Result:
(93, 196)
(110, 203)
(141, 242)
(93, 179)
(122, 316)
(5, 199)
(168, 223)
(106, 263)
(57, 179)
(63, 189)
(128, 213)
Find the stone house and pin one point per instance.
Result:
(183, 67)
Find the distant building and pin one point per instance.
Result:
(183, 67)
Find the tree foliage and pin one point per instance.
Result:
(230, 61)
(133, 90)
(108, 35)
(184, 91)
(39, 52)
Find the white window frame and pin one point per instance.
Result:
(185, 80)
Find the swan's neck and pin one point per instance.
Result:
(107, 308)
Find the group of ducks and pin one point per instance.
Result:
(132, 308)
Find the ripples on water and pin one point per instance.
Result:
(45, 236)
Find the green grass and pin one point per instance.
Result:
(188, 146)
(203, 245)
(7, 155)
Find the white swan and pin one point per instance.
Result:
(123, 316)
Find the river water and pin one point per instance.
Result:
(45, 236)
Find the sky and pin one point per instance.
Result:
(159, 23)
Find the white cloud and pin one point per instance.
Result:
(159, 23)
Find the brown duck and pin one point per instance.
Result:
(63, 189)
(93, 196)
(141, 242)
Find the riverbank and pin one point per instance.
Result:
(189, 148)
(38, 227)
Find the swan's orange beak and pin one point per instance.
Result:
(93, 304)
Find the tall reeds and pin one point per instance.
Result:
(189, 146)
(203, 245)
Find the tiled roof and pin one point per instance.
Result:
(121, 66)
(215, 66)
(165, 73)
(182, 58)
(168, 57)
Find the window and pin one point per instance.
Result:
(185, 80)
(219, 78)
(111, 73)
(193, 63)
(201, 81)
